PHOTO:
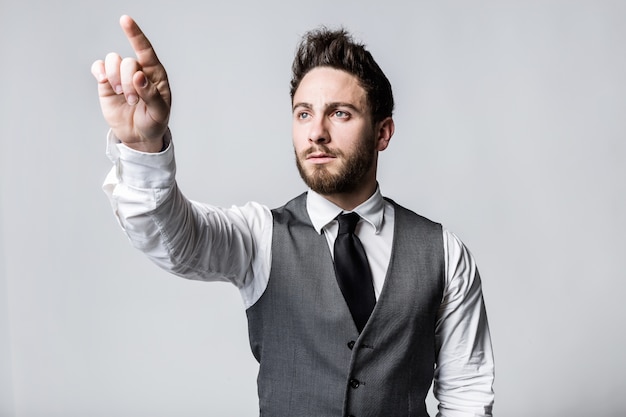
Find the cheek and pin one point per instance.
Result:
(298, 136)
(354, 138)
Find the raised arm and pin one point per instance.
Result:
(190, 239)
(134, 92)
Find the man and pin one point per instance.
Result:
(349, 314)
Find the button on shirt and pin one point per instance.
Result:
(203, 242)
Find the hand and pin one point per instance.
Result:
(134, 93)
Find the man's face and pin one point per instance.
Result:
(333, 135)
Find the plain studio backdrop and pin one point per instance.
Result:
(510, 130)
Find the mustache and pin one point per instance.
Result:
(321, 149)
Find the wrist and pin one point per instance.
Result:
(155, 146)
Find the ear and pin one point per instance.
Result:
(385, 129)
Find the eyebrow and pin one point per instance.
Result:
(331, 105)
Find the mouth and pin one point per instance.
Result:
(320, 157)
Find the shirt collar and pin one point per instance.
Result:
(322, 212)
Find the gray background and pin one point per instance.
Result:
(509, 130)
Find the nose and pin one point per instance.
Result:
(318, 132)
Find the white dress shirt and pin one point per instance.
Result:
(203, 242)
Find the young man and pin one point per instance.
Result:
(349, 314)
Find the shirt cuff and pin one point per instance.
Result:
(143, 170)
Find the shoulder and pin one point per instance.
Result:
(404, 214)
(293, 209)
(461, 267)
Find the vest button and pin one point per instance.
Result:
(351, 344)
(354, 383)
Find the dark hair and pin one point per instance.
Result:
(336, 49)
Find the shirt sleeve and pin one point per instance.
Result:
(464, 375)
(187, 238)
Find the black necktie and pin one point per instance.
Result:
(353, 272)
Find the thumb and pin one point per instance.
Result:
(157, 106)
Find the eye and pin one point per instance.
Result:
(340, 114)
(303, 115)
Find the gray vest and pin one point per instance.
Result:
(313, 362)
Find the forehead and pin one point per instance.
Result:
(329, 85)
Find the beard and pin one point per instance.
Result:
(349, 175)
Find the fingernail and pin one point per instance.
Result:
(143, 81)
(132, 99)
(118, 89)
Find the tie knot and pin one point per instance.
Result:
(347, 222)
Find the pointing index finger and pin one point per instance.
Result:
(139, 42)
